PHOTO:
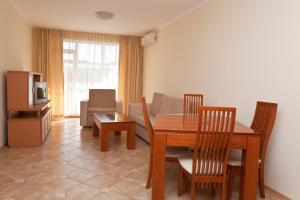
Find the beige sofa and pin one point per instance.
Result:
(100, 100)
(161, 104)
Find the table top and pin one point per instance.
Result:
(112, 117)
(188, 123)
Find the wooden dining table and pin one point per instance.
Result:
(181, 130)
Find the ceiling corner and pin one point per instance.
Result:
(202, 3)
(18, 9)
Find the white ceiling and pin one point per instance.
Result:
(132, 17)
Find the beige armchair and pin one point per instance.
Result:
(100, 100)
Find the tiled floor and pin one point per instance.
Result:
(70, 166)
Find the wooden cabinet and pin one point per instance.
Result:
(28, 124)
(46, 125)
(29, 129)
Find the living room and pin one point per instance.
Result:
(234, 53)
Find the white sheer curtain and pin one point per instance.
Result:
(87, 65)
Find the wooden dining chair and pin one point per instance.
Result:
(207, 167)
(263, 122)
(192, 103)
(172, 154)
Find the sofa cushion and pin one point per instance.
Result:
(177, 106)
(139, 118)
(171, 105)
(166, 105)
(156, 103)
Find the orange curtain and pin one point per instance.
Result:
(130, 71)
(48, 60)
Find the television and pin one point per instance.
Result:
(40, 92)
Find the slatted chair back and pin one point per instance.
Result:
(263, 122)
(215, 129)
(147, 121)
(192, 103)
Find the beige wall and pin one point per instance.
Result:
(15, 52)
(236, 52)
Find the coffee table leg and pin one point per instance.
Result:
(95, 130)
(104, 139)
(118, 133)
(131, 137)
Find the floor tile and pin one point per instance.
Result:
(70, 166)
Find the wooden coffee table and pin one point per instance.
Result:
(106, 122)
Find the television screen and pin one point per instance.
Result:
(41, 93)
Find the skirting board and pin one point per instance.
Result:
(277, 194)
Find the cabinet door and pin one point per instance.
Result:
(17, 90)
(49, 122)
(30, 90)
(46, 127)
(49, 119)
(43, 130)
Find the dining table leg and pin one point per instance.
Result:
(158, 175)
(131, 136)
(249, 174)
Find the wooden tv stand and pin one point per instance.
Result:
(28, 124)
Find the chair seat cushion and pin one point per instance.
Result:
(237, 163)
(235, 158)
(206, 167)
(178, 152)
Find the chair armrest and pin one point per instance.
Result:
(119, 106)
(84, 104)
(84, 112)
(136, 108)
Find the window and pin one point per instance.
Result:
(88, 65)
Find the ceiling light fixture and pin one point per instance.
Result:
(105, 15)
